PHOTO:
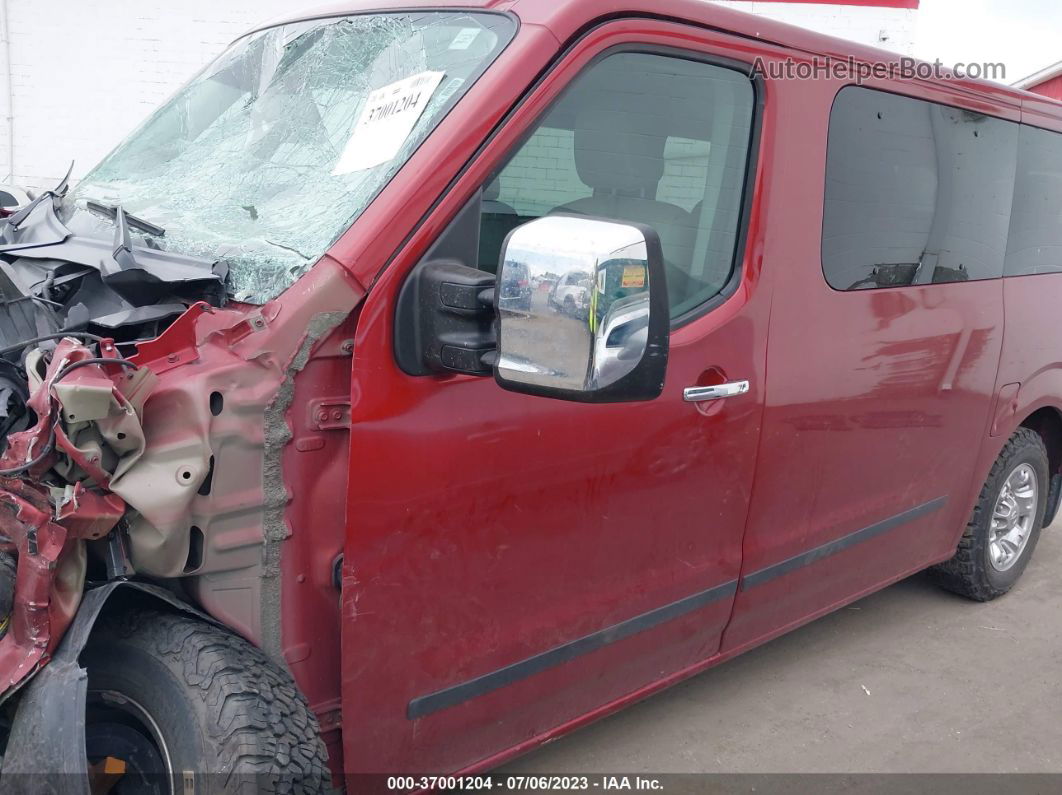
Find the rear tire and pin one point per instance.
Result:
(180, 700)
(1005, 526)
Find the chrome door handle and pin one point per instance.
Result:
(695, 394)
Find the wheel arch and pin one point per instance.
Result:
(1028, 407)
(48, 733)
(1046, 422)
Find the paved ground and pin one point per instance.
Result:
(954, 686)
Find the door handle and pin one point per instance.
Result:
(696, 394)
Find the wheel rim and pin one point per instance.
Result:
(1013, 518)
(118, 726)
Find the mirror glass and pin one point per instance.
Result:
(573, 303)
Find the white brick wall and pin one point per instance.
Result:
(84, 73)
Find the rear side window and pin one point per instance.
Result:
(916, 192)
(1035, 244)
(660, 140)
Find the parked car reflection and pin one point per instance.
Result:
(571, 294)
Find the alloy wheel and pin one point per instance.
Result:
(1013, 518)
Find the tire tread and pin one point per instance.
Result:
(964, 573)
(263, 734)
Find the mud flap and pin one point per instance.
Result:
(46, 749)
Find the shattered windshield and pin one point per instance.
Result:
(266, 157)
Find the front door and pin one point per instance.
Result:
(514, 563)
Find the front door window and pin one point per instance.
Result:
(658, 140)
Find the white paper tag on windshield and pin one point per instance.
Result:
(386, 122)
(463, 40)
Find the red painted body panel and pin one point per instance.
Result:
(898, 380)
(909, 4)
(315, 462)
(481, 527)
(485, 527)
(1042, 112)
(492, 551)
(1032, 350)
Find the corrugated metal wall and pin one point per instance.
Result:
(1050, 88)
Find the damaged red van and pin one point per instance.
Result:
(421, 383)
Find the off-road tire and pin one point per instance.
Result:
(969, 573)
(230, 717)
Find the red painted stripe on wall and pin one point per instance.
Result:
(1051, 88)
(869, 3)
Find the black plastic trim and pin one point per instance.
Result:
(502, 677)
(1054, 498)
(510, 674)
(776, 570)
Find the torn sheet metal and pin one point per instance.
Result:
(157, 450)
(87, 431)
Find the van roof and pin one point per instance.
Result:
(565, 18)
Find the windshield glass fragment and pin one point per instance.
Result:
(266, 157)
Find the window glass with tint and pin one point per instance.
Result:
(916, 193)
(653, 139)
(1035, 243)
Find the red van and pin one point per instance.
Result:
(422, 383)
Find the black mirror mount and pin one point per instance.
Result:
(447, 320)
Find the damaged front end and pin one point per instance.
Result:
(71, 406)
(175, 389)
(54, 490)
(143, 423)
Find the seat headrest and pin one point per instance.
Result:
(615, 156)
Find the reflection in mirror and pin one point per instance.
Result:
(573, 303)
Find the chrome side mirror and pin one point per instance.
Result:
(582, 310)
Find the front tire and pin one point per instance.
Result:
(1005, 526)
(189, 707)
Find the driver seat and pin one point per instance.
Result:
(623, 164)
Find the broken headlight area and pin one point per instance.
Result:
(55, 283)
(71, 404)
(55, 479)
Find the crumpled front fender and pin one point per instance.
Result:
(46, 750)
